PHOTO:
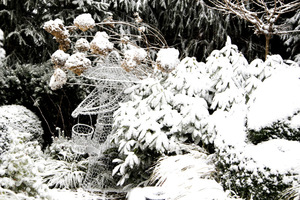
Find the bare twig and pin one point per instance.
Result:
(262, 14)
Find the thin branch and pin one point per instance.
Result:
(42, 115)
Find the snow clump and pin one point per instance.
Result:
(59, 58)
(167, 59)
(84, 22)
(100, 44)
(58, 79)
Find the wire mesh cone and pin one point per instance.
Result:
(81, 137)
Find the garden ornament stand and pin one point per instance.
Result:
(118, 56)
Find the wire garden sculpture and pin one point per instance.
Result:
(117, 56)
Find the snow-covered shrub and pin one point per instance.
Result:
(228, 71)
(4, 141)
(274, 106)
(19, 166)
(174, 108)
(160, 115)
(64, 168)
(193, 173)
(260, 171)
(23, 120)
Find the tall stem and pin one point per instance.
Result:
(268, 36)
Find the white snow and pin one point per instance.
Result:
(84, 22)
(168, 58)
(295, 122)
(182, 177)
(1, 35)
(276, 99)
(280, 155)
(229, 127)
(80, 194)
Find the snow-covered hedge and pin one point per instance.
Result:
(274, 107)
(225, 103)
(23, 120)
(4, 140)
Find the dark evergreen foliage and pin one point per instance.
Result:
(278, 130)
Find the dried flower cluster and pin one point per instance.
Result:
(167, 59)
(77, 63)
(59, 31)
(59, 58)
(82, 45)
(58, 79)
(84, 22)
(100, 44)
(133, 57)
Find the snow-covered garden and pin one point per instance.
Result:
(167, 126)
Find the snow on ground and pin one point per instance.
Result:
(80, 194)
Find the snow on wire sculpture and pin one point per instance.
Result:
(118, 55)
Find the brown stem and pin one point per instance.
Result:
(268, 37)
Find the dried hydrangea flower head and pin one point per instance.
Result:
(59, 31)
(82, 45)
(59, 58)
(100, 44)
(84, 22)
(167, 59)
(77, 63)
(133, 57)
(58, 79)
